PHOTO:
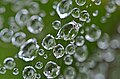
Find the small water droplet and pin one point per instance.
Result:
(56, 24)
(70, 49)
(2, 70)
(76, 12)
(37, 76)
(95, 13)
(41, 52)
(79, 40)
(68, 60)
(84, 15)
(15, 71)
(39, 65)
(80, 2)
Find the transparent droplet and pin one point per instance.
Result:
(44, 1)
(42, 13)
(81, 53)
(2, 70)
(58, 51)
(6, 35)
(41, 52)
(15, 71)
(64, 8)
(103, 19)
(56, 24)
(52, 13)
(45, 56)
(117, 2)
(37, 76)
(69, 73)
(2, 9)
(95, 13)
(28, 51)
(97, 2)
(84, 15)
(103, 42)
(115, 43)
(80, 2)
(111, 7)
(76, 12)
(79, 40)
(108, 56)
(61, 77)
(39, 65)
(70, 49)
(51, 70)
(68, 60)
(35, 24)
(18, 39)
(93, 33)
(48, 42)
(21, 17)
(68, 31)
(99, 76)
(28, 72)
(9, 63)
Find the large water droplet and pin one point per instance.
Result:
(68, 60)
(69, 31)
(9, 63)
(51, 70)
(93, 33)
(41, 52)
(80, 2)
(28, 72)
(28, 51)
(64, 8)
(48, 42)
(35, 24)
(58, 51)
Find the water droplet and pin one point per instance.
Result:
(22, 17)
(2, 9)
(35, 24)
(117, 2)
(56, 24)
(76, 12)
(97, 2)
(58, 51)
(95, 13)
(64, 8)
(70, 49)
(115, 43)
(48, 42)
(45, 56)
(84, 15)
(93, 33)
(28, 72)
(108, 56)
(79, 40)
(2, 70)
(41, 52)
(6, 35)
(68, 31)
(69, 73)
(28, 51)
(9, 63)
(103, 42)
(18, 39)
(81, 53)
(39, 65)
(52, 13)
(68, 60)
(61, 77)
(44, 1)
(99, 76)
(51, 70)
(37, 76)
(80, 2)
(111, 7)
(15, 71)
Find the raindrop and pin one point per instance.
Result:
(51, 70)
(18, 39)
(68, 31)
(9, 63)
(15, 71)
(56, 24)
(35, 24)
(28, 72)
(95, 13)
(79, 40)
(69, 73)
(68, 60)
(48, 42)
(41, 52)
(93, 33)
(81, 53)
(2, 70)
(58, 51)
(103, 42)
(84, 15)
(76, 12)
(70, 49)
(6, 35)
(64, 8)
(80, 2)
(39, 65)
(28, 51)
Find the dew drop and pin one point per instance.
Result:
(76, 12)
(58, 51)
(15, 71)
(39, 65)
(99, 76)
(45, 56)
(37, 76)
(9, 63)
(97, 2)
(35, 24)
(41, 52)
(111, 7)
(80, 2)
(56, 24)
(51, 70)
(28, 51)
(68, 60)
(2, 70)
(79, 40)
(64, 8)
(44, 1)
(95, 13)
(70, 49)
(84, 15)
(48, 42)
(93, 33)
